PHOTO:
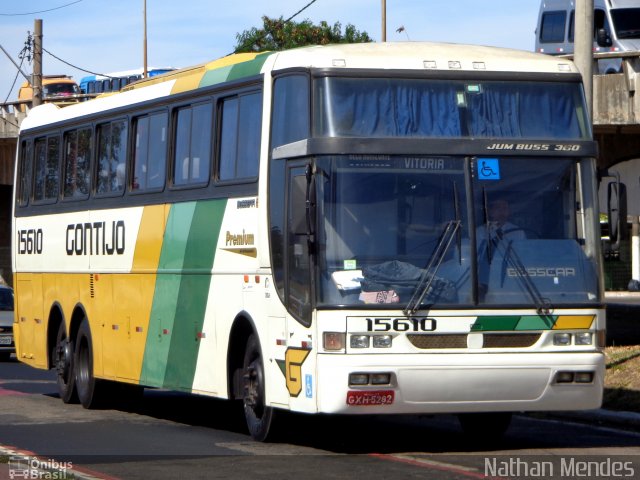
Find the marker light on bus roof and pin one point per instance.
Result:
(431, 64)
(564, 67)
(479, 66)
(339, 62)
(455, 65)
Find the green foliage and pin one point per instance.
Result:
(278, 34)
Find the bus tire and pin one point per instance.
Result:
(488, 427)
(258, 416)
(87, 386)
(63, 361)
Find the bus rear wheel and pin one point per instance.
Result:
(258, 416)
(63, 362)
(87, 385)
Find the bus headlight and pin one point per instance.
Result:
(584, 338)
(382, 341)
(562, 339)
(359, 341)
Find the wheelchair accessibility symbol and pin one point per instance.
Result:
(488, 168)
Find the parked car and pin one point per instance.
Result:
(7, 343)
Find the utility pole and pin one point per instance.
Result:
(37, 63)
(384, 20)
(144, 55)
(583, 55)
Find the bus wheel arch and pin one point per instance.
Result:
(242, 328)
(246, 376)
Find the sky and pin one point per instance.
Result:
(106, 36)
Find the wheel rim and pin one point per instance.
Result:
(63, 359)
(254, 390)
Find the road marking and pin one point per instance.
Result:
(4, 392)
(434, 465)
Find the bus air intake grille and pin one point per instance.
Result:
(438, 341)
(510, 340)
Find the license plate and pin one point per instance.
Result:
(377, 397)
(6, 340)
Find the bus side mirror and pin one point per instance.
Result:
(617, 212)
(602, 38)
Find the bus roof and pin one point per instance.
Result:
(423, 56)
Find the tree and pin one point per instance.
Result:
(278, 34)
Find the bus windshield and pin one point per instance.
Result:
(452, 232)
(394, 107)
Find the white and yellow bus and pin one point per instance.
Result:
(315, 230)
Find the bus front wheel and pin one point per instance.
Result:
(258, 416)
(64, 364)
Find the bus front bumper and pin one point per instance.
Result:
(459, 383)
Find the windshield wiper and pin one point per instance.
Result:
(543, 306)
(424, 285)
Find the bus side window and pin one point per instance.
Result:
(26, 167)
(77, 155)
(47, 174)
(192, 157)
(150, 152)
(112, 149)
(240, 136)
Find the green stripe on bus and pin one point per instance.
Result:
(248, 69)
(213, 77)
(493, 323)
(165, 297)
(194, 293)
(536, 322)
(513, 323)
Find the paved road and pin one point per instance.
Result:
(172, 435)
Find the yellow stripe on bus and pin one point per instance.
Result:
(149, 242)
(565, 322)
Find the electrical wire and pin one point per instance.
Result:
(287, 20)
(75, 66)
(14, 81)
(41, 11)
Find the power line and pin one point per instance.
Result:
(75, 66)
(287, 20)
(301, 10)
(40, 11)
(14, 81)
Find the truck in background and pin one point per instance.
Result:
(616, 29)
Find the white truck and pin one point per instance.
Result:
(616, 29)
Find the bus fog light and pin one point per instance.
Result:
(333, 341)
(562, 339)
(359, 341)
(564, 377)
(584, 377)
(382, 341)
(380, 378)
(584, 338)
(358, 379)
